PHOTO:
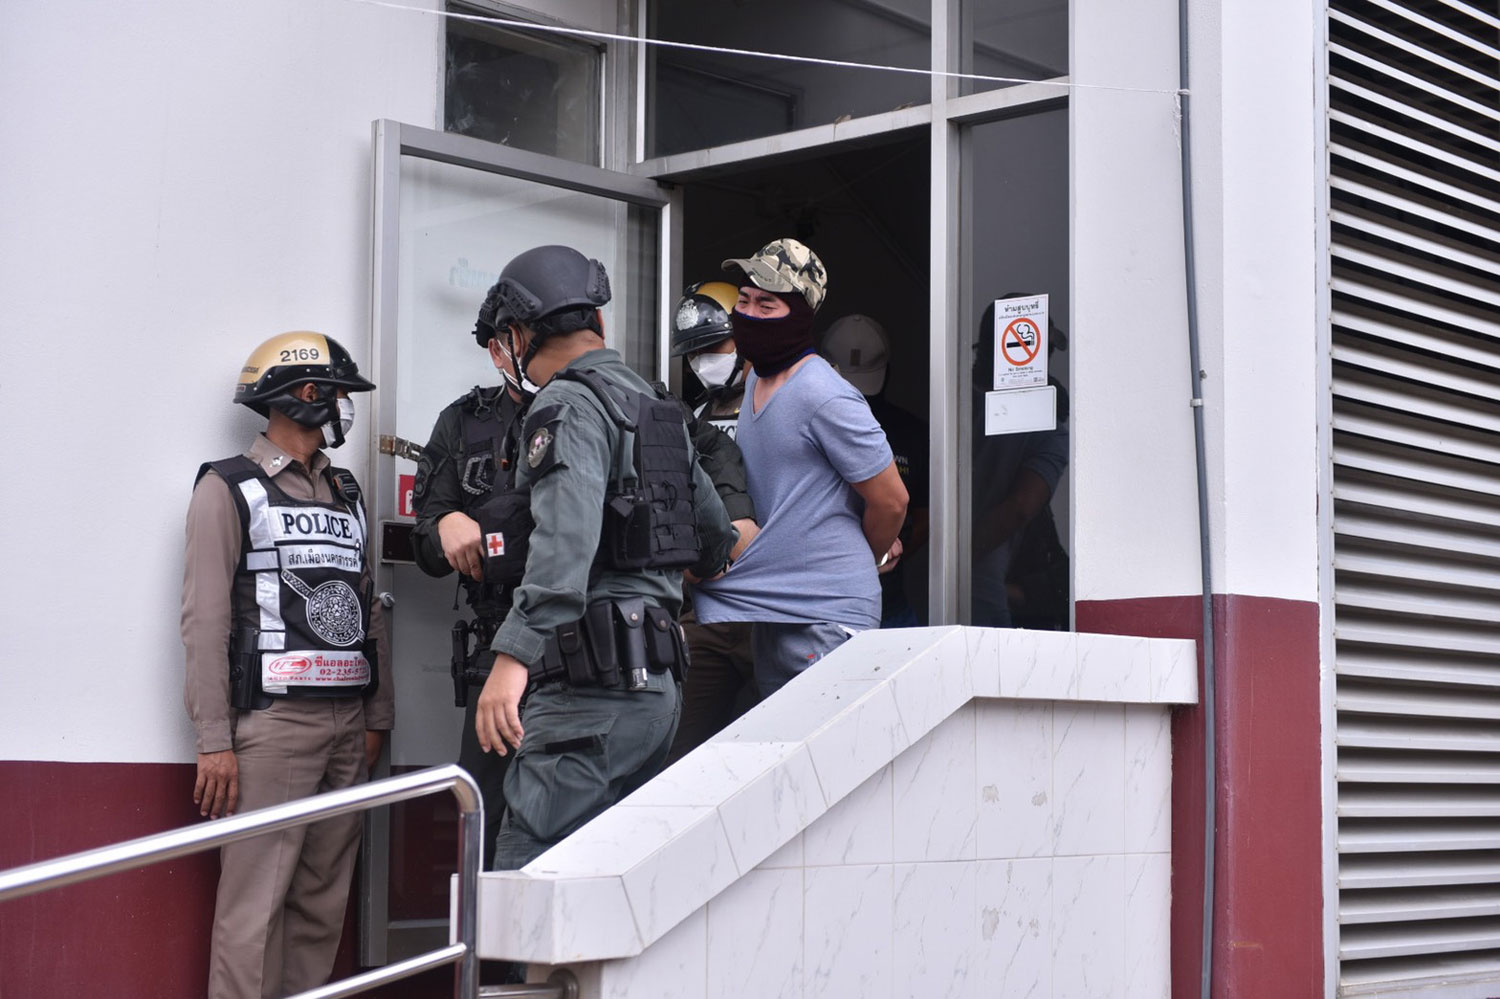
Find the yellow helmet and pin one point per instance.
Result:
(701, 318)
(287, 360)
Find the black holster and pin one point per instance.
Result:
(465, 664)
(244, 670)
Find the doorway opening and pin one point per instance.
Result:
(865, 212)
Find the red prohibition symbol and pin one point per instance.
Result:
(1020, 342)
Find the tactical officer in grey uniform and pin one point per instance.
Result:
(621, 508)
(472, 520)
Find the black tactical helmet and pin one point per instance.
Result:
(287, 360)
(548, 279)
(701, 319)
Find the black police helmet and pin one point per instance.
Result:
(701, 319)
(549, 279)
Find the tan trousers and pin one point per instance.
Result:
(282, 896)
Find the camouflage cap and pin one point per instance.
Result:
(786, 266)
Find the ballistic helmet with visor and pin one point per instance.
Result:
(859, 347)
(785, 266)
(549, 279)
(701, 319)
(287, 360)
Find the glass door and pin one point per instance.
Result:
(450, 211)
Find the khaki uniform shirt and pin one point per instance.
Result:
(213, 556)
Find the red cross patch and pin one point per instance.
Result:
(494, 544)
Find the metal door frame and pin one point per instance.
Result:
(380, 940)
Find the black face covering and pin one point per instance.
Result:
(773, 345)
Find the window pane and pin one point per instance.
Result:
(701, 99)
(1022, 39)
(524, 91)
(1018, 489)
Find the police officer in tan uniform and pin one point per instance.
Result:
(285, 687)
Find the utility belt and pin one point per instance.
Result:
(615, 645)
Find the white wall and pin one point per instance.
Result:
(181, 180)
(1253, 131)
(1270, 166)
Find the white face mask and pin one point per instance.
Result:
(335, 432)
(525, 386)
(715, 370)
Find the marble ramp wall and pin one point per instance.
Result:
(1015, 847)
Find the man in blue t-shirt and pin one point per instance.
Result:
(827, 493)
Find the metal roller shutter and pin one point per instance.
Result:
(1414, 132)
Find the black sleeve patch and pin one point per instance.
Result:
(540, 439)
(423, 482)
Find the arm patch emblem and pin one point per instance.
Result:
(540, 441)
(540, 446)
(423, 482)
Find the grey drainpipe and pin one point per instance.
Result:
(1209, 701)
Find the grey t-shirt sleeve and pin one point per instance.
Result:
(846, 431)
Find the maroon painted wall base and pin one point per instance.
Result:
(136, 935)
(1268, 923)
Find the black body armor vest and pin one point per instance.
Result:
(648, 506)
(502, 511)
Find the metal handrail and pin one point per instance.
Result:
(48, 874)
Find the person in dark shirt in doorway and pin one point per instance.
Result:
(860, 349)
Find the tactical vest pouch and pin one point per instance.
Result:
(649, 521)
(575, 657)
(505, 520)
(627, 532)
(599, 632)
(664, 643)
(630, 639)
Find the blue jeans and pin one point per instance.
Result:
(782, 649)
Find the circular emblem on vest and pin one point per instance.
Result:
(537, 450)
(333, 613)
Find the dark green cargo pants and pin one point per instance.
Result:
(585, 748)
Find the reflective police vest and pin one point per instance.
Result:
(648, 506)
(300, 583)
(729, 423)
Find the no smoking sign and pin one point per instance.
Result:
(1020, 342)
